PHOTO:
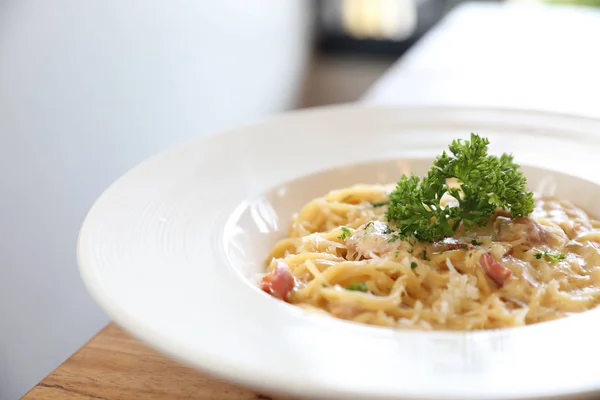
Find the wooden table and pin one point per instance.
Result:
(114, 366)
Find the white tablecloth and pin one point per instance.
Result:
(509, 56)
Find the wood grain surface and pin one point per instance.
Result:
(114, 366)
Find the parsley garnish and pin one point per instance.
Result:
(383, 203)
(486, 183)
(425, 255)
(552, 257)
(345, 233)
(476, 243)
(359, 287)
(413, 265)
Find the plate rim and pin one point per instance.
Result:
(136, 328)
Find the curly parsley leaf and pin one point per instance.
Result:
(485, 183)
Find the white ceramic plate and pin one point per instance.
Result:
(170, 251)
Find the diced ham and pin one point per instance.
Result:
(494, 269)
(279, 282)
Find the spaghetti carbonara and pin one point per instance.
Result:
(341, 258)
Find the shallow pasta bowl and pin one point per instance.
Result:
(171, 251)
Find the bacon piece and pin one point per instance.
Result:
(279, 282)
(522, 227)
(502, 213)
(494, 269)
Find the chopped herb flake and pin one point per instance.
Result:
(393, 238)
(346, 233)
(425, 255)
(476, 243)
(413, 265)
(358, 287)
(552, 257)
(383, 203)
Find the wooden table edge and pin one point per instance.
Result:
(113, 365)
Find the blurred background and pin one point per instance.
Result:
(356, 41)
(89, 89)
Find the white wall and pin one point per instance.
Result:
(87, 90)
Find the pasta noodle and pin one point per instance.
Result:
(345, 262)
